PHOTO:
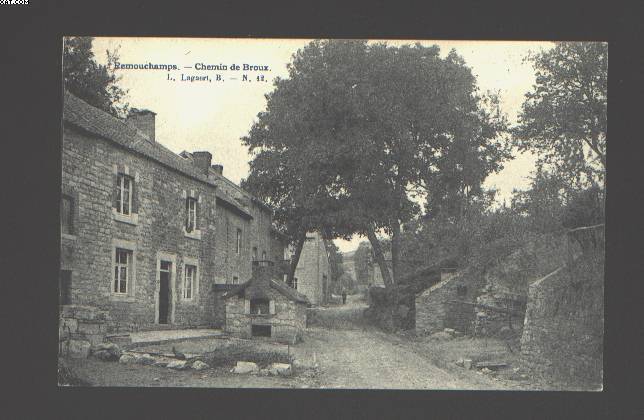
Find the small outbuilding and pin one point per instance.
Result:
(265, 306)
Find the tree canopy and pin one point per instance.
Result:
(94, 83)
(564, 118)
(358, 131)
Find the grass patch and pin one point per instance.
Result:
(67, 377)
(228, 356)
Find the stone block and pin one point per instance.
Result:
(127, 358)
(177, 365)
(144, 359)
(280, 369)
(245, 367)
(199, 365)
(69, 324)
(78, 349)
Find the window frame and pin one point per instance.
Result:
(238, 244)
(118, 265)
(191, 209)
(188, 293)
(70, 221)
(120, 188)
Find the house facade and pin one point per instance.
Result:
(147, 235)
(312, 275)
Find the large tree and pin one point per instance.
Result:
(364, 127)
(94, 83)
(564, 118)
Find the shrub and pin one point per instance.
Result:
(230, 355)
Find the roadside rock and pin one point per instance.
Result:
(450, 331)
(245, 367)
(77, 348)
(460, 362)
(160, 363)
(302, 365)
(145, 359)
(280, 369)
(127, 358)
(177, 365)
(199, 365)
(105, 355)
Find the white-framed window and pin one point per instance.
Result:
(122, 271)
(295, 283)
(239, 241)
(124, 185)
(235, 280)
(254, 253)
(263, 255)
(191, 209)
(189, 279)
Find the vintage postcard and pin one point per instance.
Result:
(332, 213)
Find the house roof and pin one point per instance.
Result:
(98, 122)
(280, 286)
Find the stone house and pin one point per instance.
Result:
(265, 306)
(146, 234)
(312, 275)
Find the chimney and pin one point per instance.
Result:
(202, 160)
(219, 169)
(143, 120)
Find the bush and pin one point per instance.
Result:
(230, 355)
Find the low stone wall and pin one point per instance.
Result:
(442, 306)
(563, 328)
(80, 328)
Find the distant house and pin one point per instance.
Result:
(265, 306)
(312, 275)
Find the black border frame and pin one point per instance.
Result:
(33, 104)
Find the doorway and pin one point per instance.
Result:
(164, 291)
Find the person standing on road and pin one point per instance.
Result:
(344, 296)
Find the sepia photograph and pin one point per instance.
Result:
(332, 213)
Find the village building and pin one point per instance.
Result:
(148, 235)
(265, 306)
(312, 275)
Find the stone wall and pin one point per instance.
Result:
(79, 328)
(287, 324)
(441, 306)
(563, 328)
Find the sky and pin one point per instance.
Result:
(214, 115)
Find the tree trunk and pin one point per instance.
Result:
(379, 257)
(395, 251)
(295, 259)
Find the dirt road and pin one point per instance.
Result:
(374, 360)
